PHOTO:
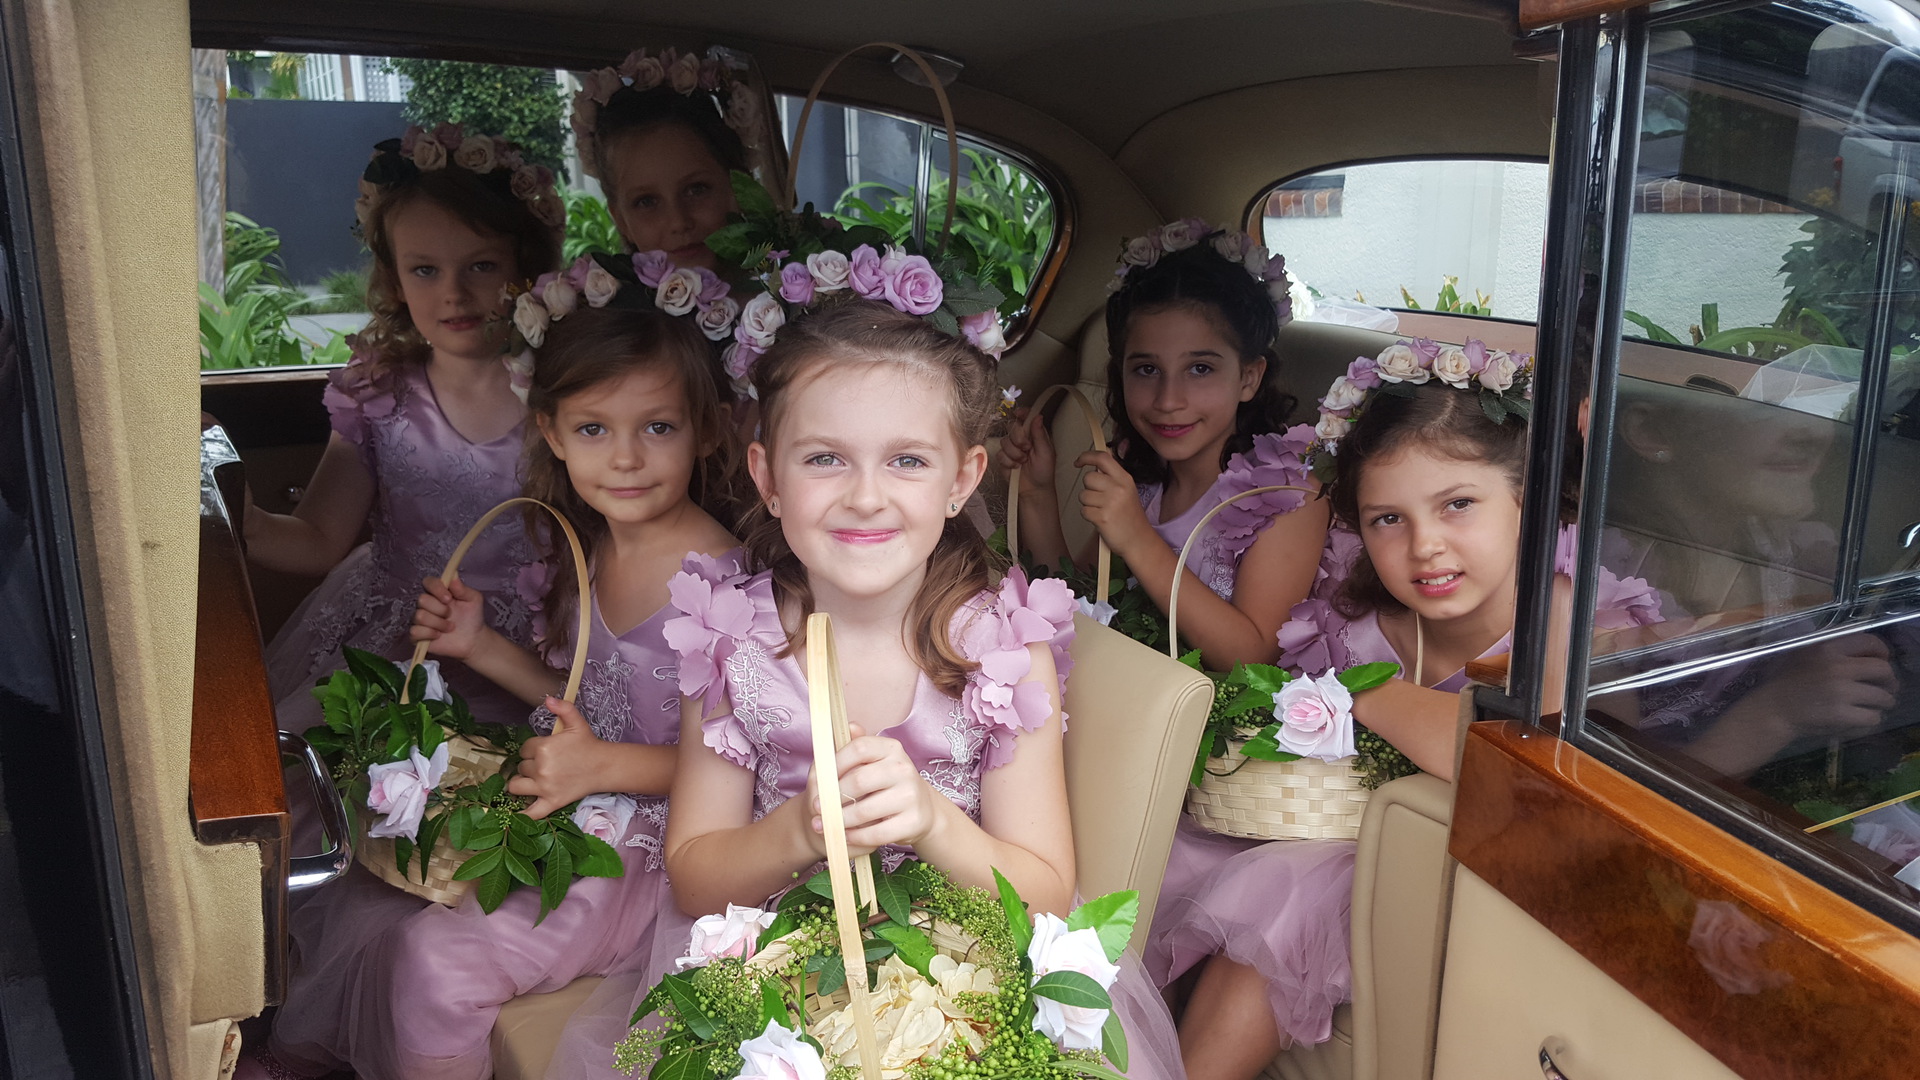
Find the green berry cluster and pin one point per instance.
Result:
(1376, 759)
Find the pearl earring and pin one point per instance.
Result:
(773, 506)
(1662, 455)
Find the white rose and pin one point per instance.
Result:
(475, 154)
(685, 74)
(1332, 427)
(436, 688)
(717, 320)
(398, 790)
(715, 937)
(759, 320)
(647, 72)
(530, 318)
(1232, 246)
(1141, 251)
(1176, 236)
(1255, 260)
(1342, 395)
(778, 1054)
(599, 286)
(678, 292)
(1452, 367)
(1055, 948)
(1497, 376)
(1316, 717)
(606, 815)
(829, 270)
(1101, 612)
(428, 154)
(559, 298)
(1399, 363)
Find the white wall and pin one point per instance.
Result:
(1679, 261)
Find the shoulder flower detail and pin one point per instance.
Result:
(1620, 602)
(1307, 639)
(995, 632)
(357, 393)
(720, 606)
(1274, 459)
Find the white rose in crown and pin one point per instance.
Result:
(1141, 251)
(779, 1054)
(1399, 363)
(1451, 366)
(1055, 948)
(1255, 260)
(716, 319)
(1176, 236)
(475, 154)
(398, 789)
(1332, 428)
(428, 154)
(679, 291)
(1316, 717)
(436, 688)
(559, 298)
(1233, 246)
(599, 286)
(829, 270)
(1498, 375)
(531, 319)
(1343, 395)
(606, 815)
(716, 937)
(685, 74)
(647, 72)
(759, 320)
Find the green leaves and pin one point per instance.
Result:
(891, 893)
(1112, 917)
(1019, 923)
(686, 1004)
(1073, 989)
(910, 943)
(1113, 1041)
(1364, 677)
(683, 1065)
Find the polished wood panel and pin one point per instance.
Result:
(1770, 972)
(1538, 13)
(234, 779)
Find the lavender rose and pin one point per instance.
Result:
(914, 287)
(864, 273)
(651, 266)
(796, 284)
(983, 332)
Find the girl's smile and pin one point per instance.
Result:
(451, 279)
(1183, 383)
(1443, 534)
(628, 444)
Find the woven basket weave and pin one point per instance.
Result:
(468, 762)
(1279, 800)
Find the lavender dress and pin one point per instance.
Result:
(758, 708)
(431, 486)
(1219, 893)
(396, 988)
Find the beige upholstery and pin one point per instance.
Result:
(1512, 985)
(1134, 719)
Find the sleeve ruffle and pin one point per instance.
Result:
(995, 634)
(721, 606)
(354, 398)
(1620, 602)
(1309, 639)
(1274, 459)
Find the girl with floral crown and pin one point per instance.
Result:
(874, 424)
(627, 424)
(426, 428)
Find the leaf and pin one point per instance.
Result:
(600, 859)
(377, 670)
(1113, 1041)
(773, 1006)
(1367, 676)
(821, 884)
(833, 974)
(732, 243)
(910, 942)
(482, 863)
(1494, 407)
(1264, 677)
(403, 854)
(1200, 759)
(683, 1065)
(1019, 923)
(491, 788)
(1192, 659)
(1087, 1068)
(891, 894)
(943, 321)
(680, 991)
(1073, 989)
(556, 876)
(493, 888)
(782, 925)
(1111, 916)
(1266, 746)
(488, 835)
(751, 196)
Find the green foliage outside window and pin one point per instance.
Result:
(248, 324)
(520, 104)
(590, 227)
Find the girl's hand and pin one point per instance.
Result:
(884, 799)
(450, 617)
(1110, 502)
(556, 769)
(1029, 446)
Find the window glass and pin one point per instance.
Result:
(1462, 236)
(1776, 153)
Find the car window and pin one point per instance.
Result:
(1457, 235)
(1761, 475)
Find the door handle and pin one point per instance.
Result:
(1548, 1070)
(312, 871)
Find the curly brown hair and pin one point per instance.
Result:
(853, 332)
(485, 204)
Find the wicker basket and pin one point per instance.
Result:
(1306, 799)
(468, 761)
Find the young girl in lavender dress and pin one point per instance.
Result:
(875, 424)
(1193, 388)
(426, 428)
(392, 986)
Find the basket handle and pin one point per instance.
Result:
(946, 116)
(1180, 565)
(1104, 561)
(828, 707)
(585, 616)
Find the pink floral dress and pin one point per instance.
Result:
(431, 484)
(391, 986)
(756, 701)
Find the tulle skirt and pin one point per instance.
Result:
(359, 606)
(1281, 907)
(396, 988)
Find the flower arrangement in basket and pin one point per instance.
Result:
(962, 983)
(408, 753)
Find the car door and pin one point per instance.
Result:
(1699, 863)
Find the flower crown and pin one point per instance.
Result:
(1503, 380)
(806, 259)
(683, 74)
(597, 279)
(418, 151)
(1231, 245)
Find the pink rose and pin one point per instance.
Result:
(601, 85)
(1316, 717)
(651, 266)
(796, 284)
(629, 66)
(429, 155)
(1452, 366)
(914, 287)
(716, 937)
(1497, 374)
(1177, 236)
(605, 815)
(1727, 943)
(677, 292)
(684, 74)
(1141, 251)
(864, 273)
(398, 789)
(526, 184)
(476, 154)
(410, 139)
(1343, 395)
(983, 332)
(599, 286)
(1364, 373)
(449, 136)
(559, 298)
(829, 270)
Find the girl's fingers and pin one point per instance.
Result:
(460, 590)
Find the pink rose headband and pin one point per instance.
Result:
(419, 151)
(1503, 380)
(669, 71)
(1231, 245)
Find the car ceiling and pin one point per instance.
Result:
(1104, 67)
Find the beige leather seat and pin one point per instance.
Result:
(1134, 719)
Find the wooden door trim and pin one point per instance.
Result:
(1535, 14)
(1780, 977)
